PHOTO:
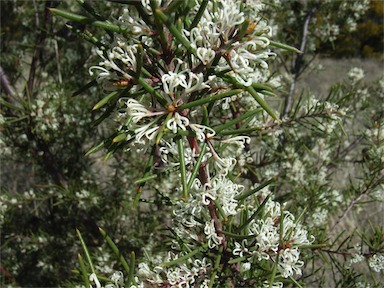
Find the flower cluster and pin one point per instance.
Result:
(276, 235)
(355, 75)
(222, 40)
(376, 262)
(172, 87)
(189, 274)
(278, 238)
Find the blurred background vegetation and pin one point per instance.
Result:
(365, 42)
(48, 187)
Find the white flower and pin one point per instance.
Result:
(118, 278)
(355, 74)
(204, 35)
(267, 236)
(109, 64)
(138, 111)
(135, 25)
(206, 55)
(227, 17)
(289, 262)
(274, 285)
(178, 277)
(126, 53)
(227, 192)
(210, 232)
(93, 278)
(149, 130)
(144, 270)
(177, 121)
(376, 262)
(171, 81)
(318, 217)
(150, 276)
(187, 216)
(351, 24)
(201, 131)
(356, 257)
(223, 164)
(201, 265)
(244, 267)
(240, 141)
(241, 249)
(103, 73)
(196, 82)
(222, 189)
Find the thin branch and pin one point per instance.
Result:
(351, 146)
(38, 46)
(274, 125)
(298, 63)
(37, 21)
(9, 90)
(58, 61)
(353, 203)
(5, 83)
(345, 253)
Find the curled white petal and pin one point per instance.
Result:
(93, 278)
(238, 140)
(206, 55)
(147, 131)
(177, 121)
(202, 131)
(210, 232)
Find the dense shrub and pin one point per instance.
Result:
(203, 165)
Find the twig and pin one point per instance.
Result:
(298, 63)
(345, 253)
(5, 83)
(9, 90)
(351, 146)
(58, 61)
(38, 48)
(353, 202)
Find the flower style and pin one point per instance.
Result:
(206, 55)
(241, 250)
(138, 111)
(171, 82)
(239, 141)
(201, 133)
(177, 121)
(213, 239)
(357, 257)
(149, 130)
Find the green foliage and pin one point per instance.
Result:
(193, 169)
(366, 41)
